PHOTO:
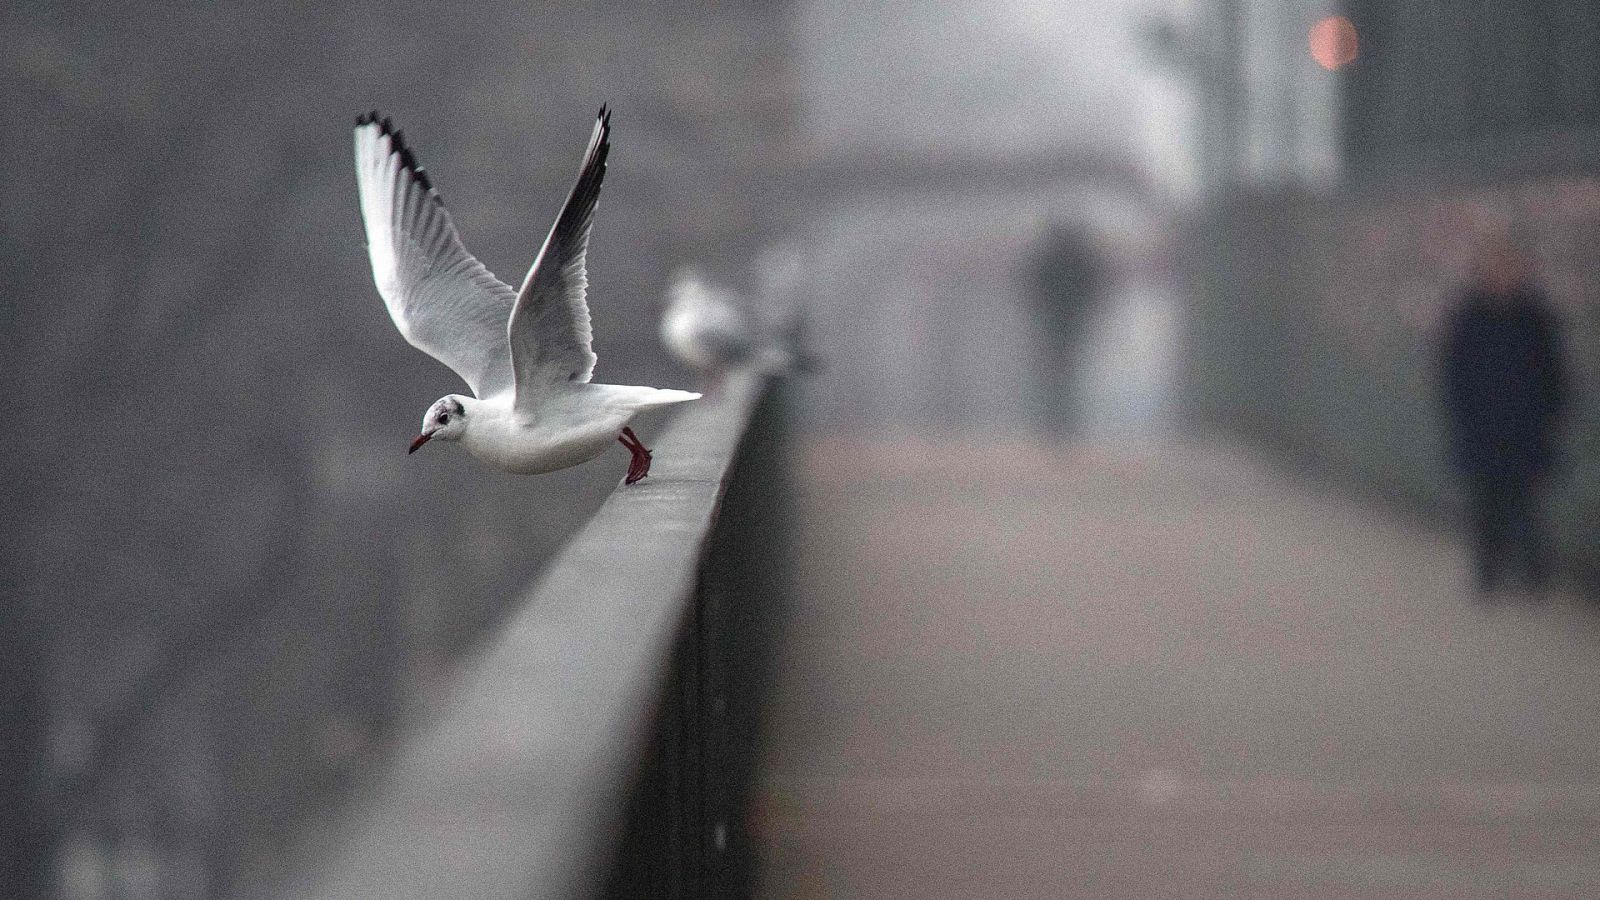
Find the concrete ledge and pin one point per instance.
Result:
(517, 790)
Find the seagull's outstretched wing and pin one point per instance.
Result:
(549, 328)
(441, 298)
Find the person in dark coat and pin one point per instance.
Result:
(1068, 281)
(1505, 394)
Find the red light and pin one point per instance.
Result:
(1333, 42)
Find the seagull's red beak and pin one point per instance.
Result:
(421, 439)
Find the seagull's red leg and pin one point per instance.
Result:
(633, 463)
(639, 466)
(631, 440)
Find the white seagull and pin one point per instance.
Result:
(705, 327)
(525, 354)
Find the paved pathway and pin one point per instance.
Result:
(1156, 669)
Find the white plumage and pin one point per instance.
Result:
(703, 326)
(525, 354)
(707, 329)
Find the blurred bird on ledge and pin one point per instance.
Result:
(708, 328)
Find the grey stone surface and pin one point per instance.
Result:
(513, 790)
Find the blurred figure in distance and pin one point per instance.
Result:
(1068, 279)
(1504, 391)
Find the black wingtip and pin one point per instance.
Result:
(605, 132)
(397, 139)
(594, 162)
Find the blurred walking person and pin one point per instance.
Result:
(1068, 280)
(1504, 387)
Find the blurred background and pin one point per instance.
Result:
(1128, 541)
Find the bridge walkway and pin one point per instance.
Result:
(1156, 667)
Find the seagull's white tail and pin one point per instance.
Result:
(650, 398)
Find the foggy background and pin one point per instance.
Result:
(1146, 263)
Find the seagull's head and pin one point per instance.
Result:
(446, 420)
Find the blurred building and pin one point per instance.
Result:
(1452, 120)
(1261, 113)
(948, 144)
(1490, 90)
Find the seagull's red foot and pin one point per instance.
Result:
(639, 467)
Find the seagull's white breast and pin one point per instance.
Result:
(564, 432)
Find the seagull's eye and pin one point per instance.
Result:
(444, 418)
